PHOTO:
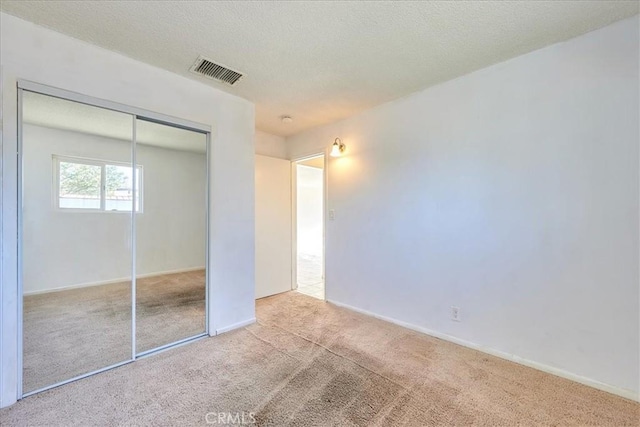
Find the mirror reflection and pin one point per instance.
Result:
(99, 193)
(76, 239)
(170, 235)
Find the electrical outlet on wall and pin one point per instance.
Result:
(455, 314)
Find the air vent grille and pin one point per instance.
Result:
(214, 71)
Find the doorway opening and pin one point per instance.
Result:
(309, 223)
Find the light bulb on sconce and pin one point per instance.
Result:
(338, 148)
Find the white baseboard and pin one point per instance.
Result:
(112, 281)
(628, 394)
(235, 326)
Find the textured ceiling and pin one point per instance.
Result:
(322, 61)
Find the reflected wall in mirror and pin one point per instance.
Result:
(77, 195)
(170, 235)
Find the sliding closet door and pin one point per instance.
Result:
(170, 235)
(77, 202)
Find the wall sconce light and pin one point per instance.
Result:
(337, 148)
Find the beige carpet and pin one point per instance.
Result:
(73, 332)
(308, 363)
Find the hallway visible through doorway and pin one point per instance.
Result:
(310, 226)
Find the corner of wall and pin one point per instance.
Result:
(270, 145)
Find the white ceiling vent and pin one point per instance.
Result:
(210, 69)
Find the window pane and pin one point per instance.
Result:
(119, 188)
(79, 186)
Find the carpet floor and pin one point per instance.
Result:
(309, 363)
(73, 332)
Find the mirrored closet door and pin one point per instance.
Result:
(170, 230)
(76, 239)
(113, 242)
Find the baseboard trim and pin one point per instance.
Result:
(627, 394)
(235, 326)
(111, 282)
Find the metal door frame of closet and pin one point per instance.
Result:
(136, 114)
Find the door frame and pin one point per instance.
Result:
(136, 114)
(294, 215)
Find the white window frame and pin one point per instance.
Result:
(57, 159)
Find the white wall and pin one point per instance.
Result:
(273, 215)
(270, 145)
(273, 226)
(511, 193)
(63, 248)
(44, 56)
